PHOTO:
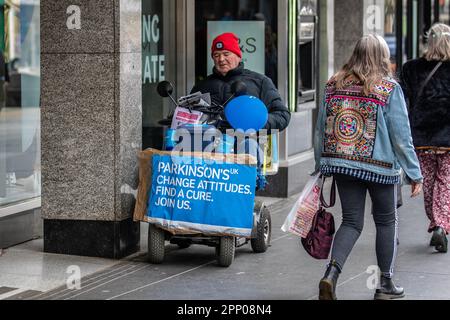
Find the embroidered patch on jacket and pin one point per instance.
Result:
(383, 91)
(351, 127)
(351, 123)
(380, 92)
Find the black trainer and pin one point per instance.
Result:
(388, 290)
(327, 286)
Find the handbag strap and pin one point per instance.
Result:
(422, 87)
(332, 195)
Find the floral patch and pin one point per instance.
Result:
(351, 126)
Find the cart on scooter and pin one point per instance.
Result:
(210, 117)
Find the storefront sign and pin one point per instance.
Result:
(251, 40)
(153, 57)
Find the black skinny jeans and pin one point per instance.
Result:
(352, 192)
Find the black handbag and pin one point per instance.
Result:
(319, 240)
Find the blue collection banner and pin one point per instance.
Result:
(193, 194)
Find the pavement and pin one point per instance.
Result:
(284, 272)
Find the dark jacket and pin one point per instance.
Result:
(258, 85)
(429, 114)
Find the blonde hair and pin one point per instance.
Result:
(369, 63)
(438, 43)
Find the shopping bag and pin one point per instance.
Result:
(319, 240)
(300, 219)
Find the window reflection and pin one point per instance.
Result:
(444, 15)
(390, 32)
(307, 51)
(158, 61)
(20, 169)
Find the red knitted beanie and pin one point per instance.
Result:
(227, 41)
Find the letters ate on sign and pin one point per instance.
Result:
(154, 68)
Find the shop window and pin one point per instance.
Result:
(307, 50)
(389, 33)
(387, 18)
(434, 11)
(158, 32)
(20, 169)
(444, 8)
(440, 11)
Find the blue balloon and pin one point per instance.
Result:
(246, 113)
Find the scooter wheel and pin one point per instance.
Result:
(225, 251)
(263, 232)
(156, 241)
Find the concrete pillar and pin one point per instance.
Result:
(91, 125)
(348, 28)
(324, 35)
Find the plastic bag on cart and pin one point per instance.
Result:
(184, 116)
(299, 220)
(271, 160)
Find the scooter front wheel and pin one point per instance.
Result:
(263, 232)
(225, 251)
(156, 242)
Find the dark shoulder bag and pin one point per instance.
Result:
(424, 84)
(320, 238)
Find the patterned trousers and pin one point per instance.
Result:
(436, 188)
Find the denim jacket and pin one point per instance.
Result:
(366, 132)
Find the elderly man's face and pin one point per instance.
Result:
(225, 61)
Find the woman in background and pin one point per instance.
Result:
(426, 83)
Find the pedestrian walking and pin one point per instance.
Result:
(426, 83)
(363, 139)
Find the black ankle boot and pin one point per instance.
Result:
(327, 286)
(439, 240)
(433, 241)
(388, 290)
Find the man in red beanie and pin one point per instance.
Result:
(229, 68)
(226, 52)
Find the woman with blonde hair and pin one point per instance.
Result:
(426, 83)
(363, 139)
